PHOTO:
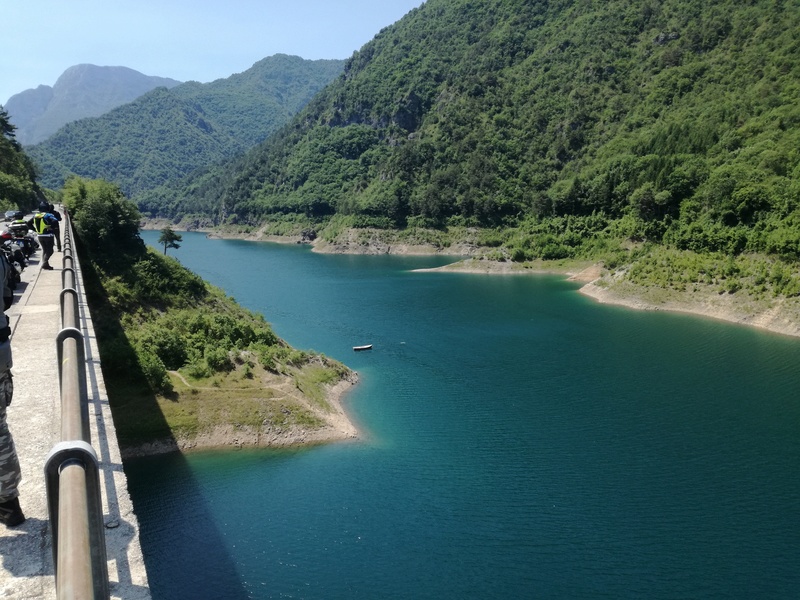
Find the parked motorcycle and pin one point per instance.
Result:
(12, 248)
(24, 237)
(15, 259)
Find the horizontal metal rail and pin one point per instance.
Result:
(72, 477)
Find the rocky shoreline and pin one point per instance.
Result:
(778, 315)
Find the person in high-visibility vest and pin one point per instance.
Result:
(44, 223)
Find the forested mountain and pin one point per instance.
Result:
(18, 188)
(81, 91)
(168, 133)
(553, 121)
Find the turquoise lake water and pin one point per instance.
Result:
(518, 440)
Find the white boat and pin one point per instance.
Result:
(362, 348)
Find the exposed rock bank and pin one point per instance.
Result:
(778, 315)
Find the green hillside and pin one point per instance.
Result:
(180, 357)
(167, 134)
(18, 188)
(551, 124)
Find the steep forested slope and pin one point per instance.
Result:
(667, 120)
(18, 188)
(167, 134)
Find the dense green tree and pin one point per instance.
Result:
(106, 222)
(18, 187)
(7, 128)
(169, 238)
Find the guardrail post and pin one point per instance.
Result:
(67, 273)
(69, 312)
(72, 477)
(72, 380)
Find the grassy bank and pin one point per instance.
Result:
(185, 365)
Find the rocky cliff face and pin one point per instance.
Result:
(81, 91)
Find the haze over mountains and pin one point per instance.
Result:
(81, 91)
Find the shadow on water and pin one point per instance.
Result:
(165, 485)
(526, 442)
(138, 419)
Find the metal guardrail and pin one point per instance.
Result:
(72, 477)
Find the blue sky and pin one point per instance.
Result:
(200, 40)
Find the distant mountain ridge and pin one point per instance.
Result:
(81, 91)
(168, 133)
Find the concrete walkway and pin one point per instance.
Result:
(26, 569)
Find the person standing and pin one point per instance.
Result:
(56, 226)
(11, 513)
(43, 223)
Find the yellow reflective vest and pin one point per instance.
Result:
(41, 226)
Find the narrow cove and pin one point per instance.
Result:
(517, 440)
